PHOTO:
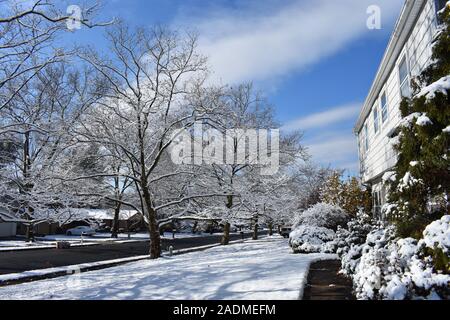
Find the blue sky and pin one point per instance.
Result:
(314, 59)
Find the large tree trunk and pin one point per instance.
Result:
(155, 238)
(226, 234)
(226, 228)
(115, 223)
(270, 229)
(153, 230)
(255, 230)
(29, 233)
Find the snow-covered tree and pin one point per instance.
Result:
(154, 81)
(240, 112)
(27, 31)
(38, 140)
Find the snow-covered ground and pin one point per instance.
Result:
(47, 242)
(22, 245)
(99, 237)
(18, 244)
(263, 269)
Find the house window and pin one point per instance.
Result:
(379, 199)
(404, 79)
(376, 125)
(384, 108)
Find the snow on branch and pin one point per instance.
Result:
(440, 86)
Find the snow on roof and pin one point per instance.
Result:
(5, 216)
(103, 214)
(75, 213)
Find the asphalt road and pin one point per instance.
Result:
(25, 260)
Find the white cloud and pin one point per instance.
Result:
(265, 39)
(334, 149)
(338, 149)
(328, 143)
(326, 118)
(269, 40)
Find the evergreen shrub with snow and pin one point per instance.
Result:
(419, 185)
(386, 267)
(348, 241)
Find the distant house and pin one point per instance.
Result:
(8, 223)
(407, 55)
(129, 220)
(39, 229)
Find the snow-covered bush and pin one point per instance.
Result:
(385, 267)
(370, 268)
(437, 234)
(310, 239)
(348, 241)
(322, 215)
(315, 228)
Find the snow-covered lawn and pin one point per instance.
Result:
(99, 237)
(18, 243)
(22, 245)
(263, 269)
(46, 242)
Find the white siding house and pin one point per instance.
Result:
(408, 53)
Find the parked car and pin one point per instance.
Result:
(285, 231)
(78, 231)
